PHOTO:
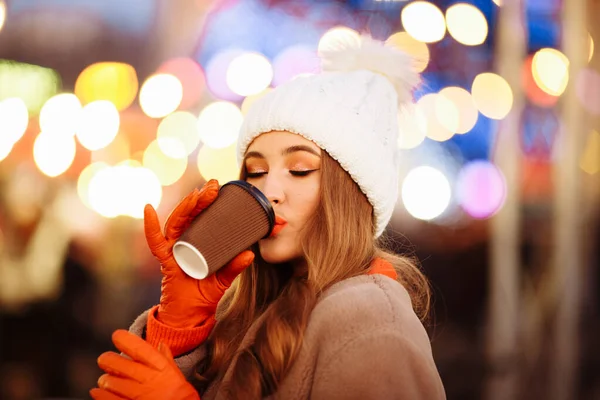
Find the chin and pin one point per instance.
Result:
(278, 250)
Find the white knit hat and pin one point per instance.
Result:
(351, 111)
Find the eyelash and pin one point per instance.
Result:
(294, 173)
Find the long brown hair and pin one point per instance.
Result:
(338, 243)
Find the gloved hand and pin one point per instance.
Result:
(149, 374)
(186, 302)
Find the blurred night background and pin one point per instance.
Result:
(106, 105)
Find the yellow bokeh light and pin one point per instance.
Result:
(85, 177)
(168, 170)
(219, 124)
(177, 134)
(60, 115)
(219, 164)
(99, 124)
(424, 21)
(590, 160)
(249, 74)
(426, 193)
(53, 154)
(113, 81)
(550, 70)
(333, 38)
(160, 95)
(413, 127)
(590, 47)
(418, 50)
(492, 95)
(467, 24)
(441, 116)
(248, 101)
(463, 101)
(2, 14)
(14, 119)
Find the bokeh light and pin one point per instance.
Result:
(590, 47)
(590, 160)
(168, 170)
(424, 21)
(497, 2)
(219, 124)
(550, 70)
(467, 24)
(216, 74)
(248, 101)
(85, 177)
(60, 115)
(14, 119)
(160, 95)
(336, 36)
(2, 14)
(464, 104)
(190, 75)
(492, 95)
(533, 92)
(426, 193)
(294, 61)
(249, 74)
(177, 134)
(416, 49)
(587, 87)
(441, 115)
(220, 164)
(480, 189)
(99, 124)
(53, 153)
(112, 81)
(5, 149)
(412, 122)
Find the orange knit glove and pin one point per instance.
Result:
(150, 373)
(186, 302)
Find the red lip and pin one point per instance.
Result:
(280, 223)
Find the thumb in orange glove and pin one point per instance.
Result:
(186, 302)
(150, 374)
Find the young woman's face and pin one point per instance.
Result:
(286, 168)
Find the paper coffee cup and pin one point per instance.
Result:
(239, 217)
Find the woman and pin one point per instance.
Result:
(318, 310)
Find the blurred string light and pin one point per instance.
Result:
(168, 170)
(113, 81)
(14, 119)
(550, 70)
(590, 160)
(60, 115)
(441, 115)
(416, 49)
(587, 87)
(85, 177)
(220, 164)
(216, 74)
(249, 74)
(412, 122)
(423, 21)
(32, 83)
(293, 61)
(177, 135)
(337, 36)
(248, 101)
(426, 193)
(480, 189)
(2, 14)
(467, 24)
(464, 104)
(160, 95)
(123, 190)
(53, 153)
(99, 124)
(219, 124)
(492, 95)
(190, 75)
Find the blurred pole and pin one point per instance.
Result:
(567, 260)
(503, 307)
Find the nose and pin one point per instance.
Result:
(273, 189)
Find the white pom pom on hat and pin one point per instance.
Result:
(350, 110)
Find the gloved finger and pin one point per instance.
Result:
(117, 365)
(208, 194)
(228, 273)
(123, 387)
(138, 349)
(180, 218)
(101, 394)
(154, 236)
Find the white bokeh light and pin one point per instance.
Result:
(99, 124)
(53, 154)
(249, 74)
(160, 95)
(426, 193)
(60, 115)
(219, 124)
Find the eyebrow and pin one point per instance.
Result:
(285, 152)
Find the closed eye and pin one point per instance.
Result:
(302, 173)
(255, 174)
